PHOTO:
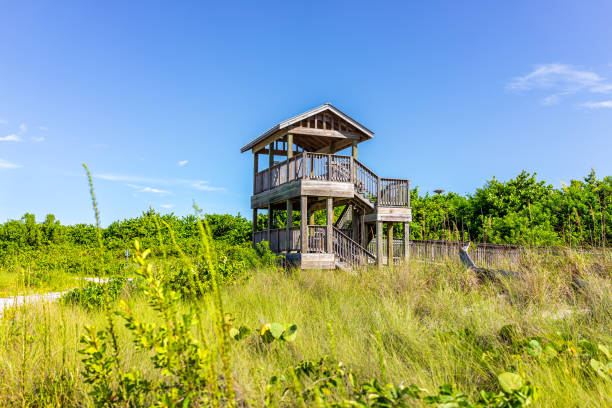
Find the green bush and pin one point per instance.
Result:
(94, 295)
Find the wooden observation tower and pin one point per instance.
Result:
(305, 174)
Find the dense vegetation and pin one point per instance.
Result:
(520, 211)
(195, 317)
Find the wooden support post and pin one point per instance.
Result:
(379, 243)
(269, 223)
(354, 149)
(330, 225)
(255, 171)
(270, 163)
(378, 187)
(303, 224)
(406, 241)
(311, 218)
(289, 154)
(355, 221)
(390, 244)
(288, 243)
(254, 225)
(362, 230)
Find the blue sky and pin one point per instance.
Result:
(158, 97)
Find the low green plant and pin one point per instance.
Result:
(94, 295)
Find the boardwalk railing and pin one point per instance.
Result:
(485, 255)
(336, 168)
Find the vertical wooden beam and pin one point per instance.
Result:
(354, 149)
(390, 244)
(289, 145)
(255, 170)
(303, 224)
(289, 154)
(355, 222)
(362, 230)
(330, 224)
(270, 163)
(406, 241)
(270, 215)
(378, 187)
(311, 218)
(288, 246)
(254, 224)
(379, 243)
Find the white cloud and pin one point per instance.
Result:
(11, 138)
(147, 189)
(562, 79)
(3, 121)
(597, 105)
(183, 163)
(39, 139)
(201, 185)
(167, 206)
(8, 165)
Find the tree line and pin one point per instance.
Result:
(523, 211)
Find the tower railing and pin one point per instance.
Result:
(385, 192)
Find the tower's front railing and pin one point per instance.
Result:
(336, 168)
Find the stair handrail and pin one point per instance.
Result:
(368, 186)
(351, 258)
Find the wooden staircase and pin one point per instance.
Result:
(348, 252)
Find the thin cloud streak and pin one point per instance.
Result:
(563, 79)
(11, 138)
(597, 105)
(8, 165)
(201, 185)
(182, 163)
(147, 189)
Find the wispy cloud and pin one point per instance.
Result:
(167, 206)
(3, 121)
(147, 189)
(8, 165)
(11, 138)
(597, 105)
(182, 163)
(43, 128)
(201, 185)
(560, 81)
(15, 137)
(38, 139)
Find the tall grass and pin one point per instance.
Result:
(423, 324)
